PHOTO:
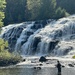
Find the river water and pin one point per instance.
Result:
(24, 70)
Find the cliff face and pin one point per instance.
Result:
(43, 37)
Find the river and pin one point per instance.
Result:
(26, 70)
(47, 68)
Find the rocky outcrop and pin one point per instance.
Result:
(42, 37)
(52, 45)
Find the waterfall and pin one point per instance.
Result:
(42, 37)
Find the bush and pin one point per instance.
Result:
(7, 58)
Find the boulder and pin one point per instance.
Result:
(24, 60)
(42, 59)
(71, 65)
(52, 45)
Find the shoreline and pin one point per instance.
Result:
(51, 62)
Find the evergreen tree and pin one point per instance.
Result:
(15, 11)
(41, 9)
(60, 13)
(22, 10)
(33, 7)
(2, 6)
(48, 8)
(68, 5)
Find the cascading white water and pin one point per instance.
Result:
(55, 38)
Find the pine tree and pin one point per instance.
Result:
(15, 11)
(60, 13)
(41, 9)
(33, 7)
(68, 5)
(48, 8)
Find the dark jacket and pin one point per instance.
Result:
(59, 67)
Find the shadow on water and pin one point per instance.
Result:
(31, 71)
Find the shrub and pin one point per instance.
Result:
(7, 58)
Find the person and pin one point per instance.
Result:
(58, 67)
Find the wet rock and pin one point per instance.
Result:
(24, 60)
(35, 43)
(52, 45)
(63, 66)
(39, 24)
(41, 64)
(57, 34)
(42, 59)
(71, 65)
(36, 25)
(47, 63)
(22, 42)
(37, 68)
(67, 50)
(11, 36)
(28, 33)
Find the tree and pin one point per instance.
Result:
(41, 9)
(7, 58)
(2, 6)
(48, 8)
(60, 13)
(15, 11)
(3, 45)
(68, 5)
(33, 7)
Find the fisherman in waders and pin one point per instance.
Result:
(58, 67)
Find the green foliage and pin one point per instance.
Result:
(3, 45)
(33, 7)
(68, 5)
(7, 58)
(41, 9)
(60, 13)
(23, 10)
(73, 57)
(2, 6)
(15, 11)
(48, 9)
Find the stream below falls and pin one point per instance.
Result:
(23, 70)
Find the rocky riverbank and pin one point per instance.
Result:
(51, 62)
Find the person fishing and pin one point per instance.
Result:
(58, 67)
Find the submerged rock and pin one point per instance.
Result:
(71, 65)
(37, 68)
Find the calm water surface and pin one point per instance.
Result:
(23, 70)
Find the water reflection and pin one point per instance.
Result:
(27, 71)
(31, 71)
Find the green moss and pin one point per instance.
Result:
(73, 57)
